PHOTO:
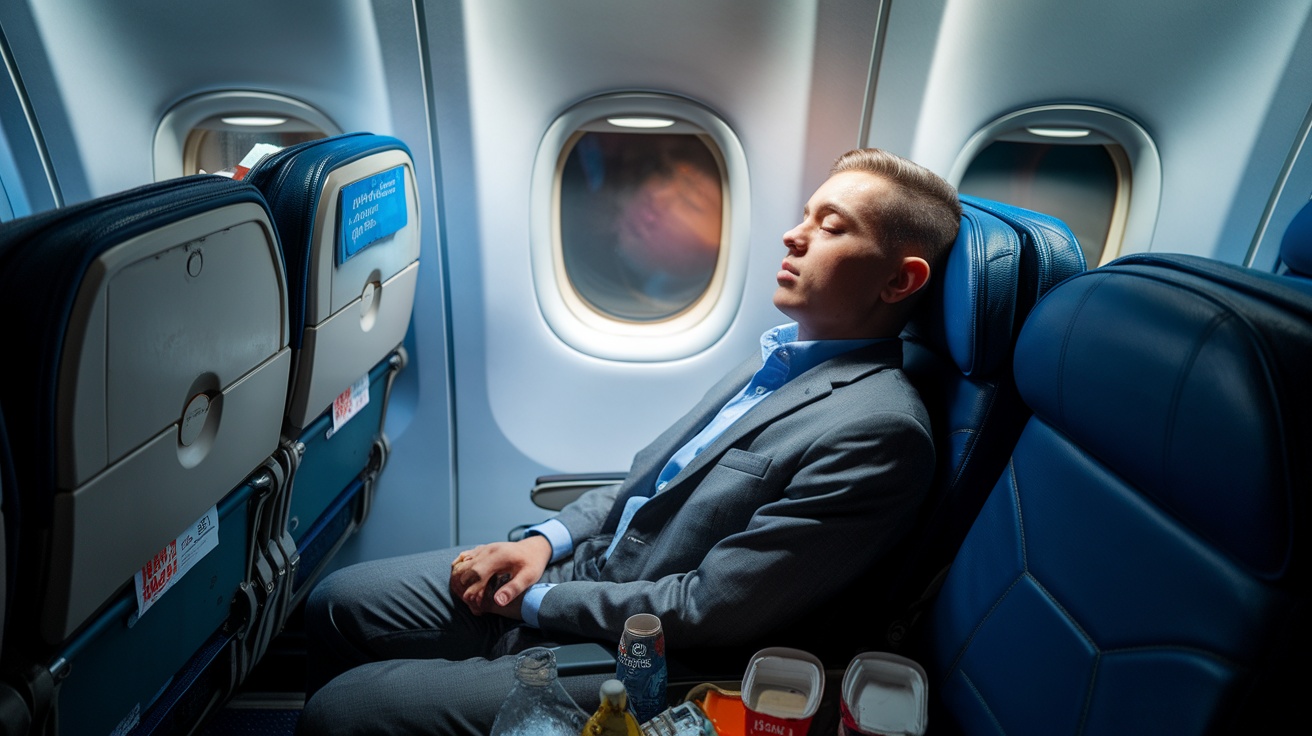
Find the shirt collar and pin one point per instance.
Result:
(800, 356)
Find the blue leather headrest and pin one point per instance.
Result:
(1048, 249)
(1296, 247)
(970, 310)
(1185, 378)
(1004, 259)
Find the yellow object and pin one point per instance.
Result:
(612, 717)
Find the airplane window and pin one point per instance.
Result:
(641, 222)
(1097, 170)
(213, 132)
(220, 142)
(1078, 184)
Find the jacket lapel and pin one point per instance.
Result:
(649, 461)
(809, 387)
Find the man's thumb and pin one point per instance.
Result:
(511, 589)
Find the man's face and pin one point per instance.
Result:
(830, 281)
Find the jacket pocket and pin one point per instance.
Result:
(747, 462)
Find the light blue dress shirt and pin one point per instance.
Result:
(783, 358)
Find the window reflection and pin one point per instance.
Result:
(640, 222)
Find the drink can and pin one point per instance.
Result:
(781, 692)
(641, 665)
(883, 695)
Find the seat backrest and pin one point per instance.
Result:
(347, 212)
(1136, 560)
(958, 353)
(154, 334)
(1296, 246)
(147, 368)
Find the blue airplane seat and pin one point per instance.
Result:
(347, 212)
(958, 353)
(147, 365)
(1138, 567)
(1296, 246)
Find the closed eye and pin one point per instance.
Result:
(833, 224)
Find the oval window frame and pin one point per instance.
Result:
(177, 124)
(581, 326)
(1140, 190)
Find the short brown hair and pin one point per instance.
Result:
(924, 212)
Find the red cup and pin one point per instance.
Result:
(781, 692)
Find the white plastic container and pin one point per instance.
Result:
(884, 695)
(781, 692)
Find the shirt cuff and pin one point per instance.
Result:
(532, 602)
(562, 545)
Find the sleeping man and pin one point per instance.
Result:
(791, 477)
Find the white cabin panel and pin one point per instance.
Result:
(526, 403)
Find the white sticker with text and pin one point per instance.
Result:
(350, 402)
(171, 563)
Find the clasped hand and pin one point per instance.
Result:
(492, 578)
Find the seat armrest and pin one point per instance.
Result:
(554, 492)
(588, 658)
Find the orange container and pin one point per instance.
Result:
(723, 707)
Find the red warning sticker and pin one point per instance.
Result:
(168, 565)
(350, 402)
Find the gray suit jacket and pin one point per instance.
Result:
(788, 507)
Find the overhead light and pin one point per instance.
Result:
(640, 122)
(253, 121)
(1059, 132)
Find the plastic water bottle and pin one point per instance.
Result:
(641, 665)
(538, 704)
(612, 717)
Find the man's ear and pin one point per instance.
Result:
(910, 278)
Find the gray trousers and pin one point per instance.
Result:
(391, 651)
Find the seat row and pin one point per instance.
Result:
(193, 399)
